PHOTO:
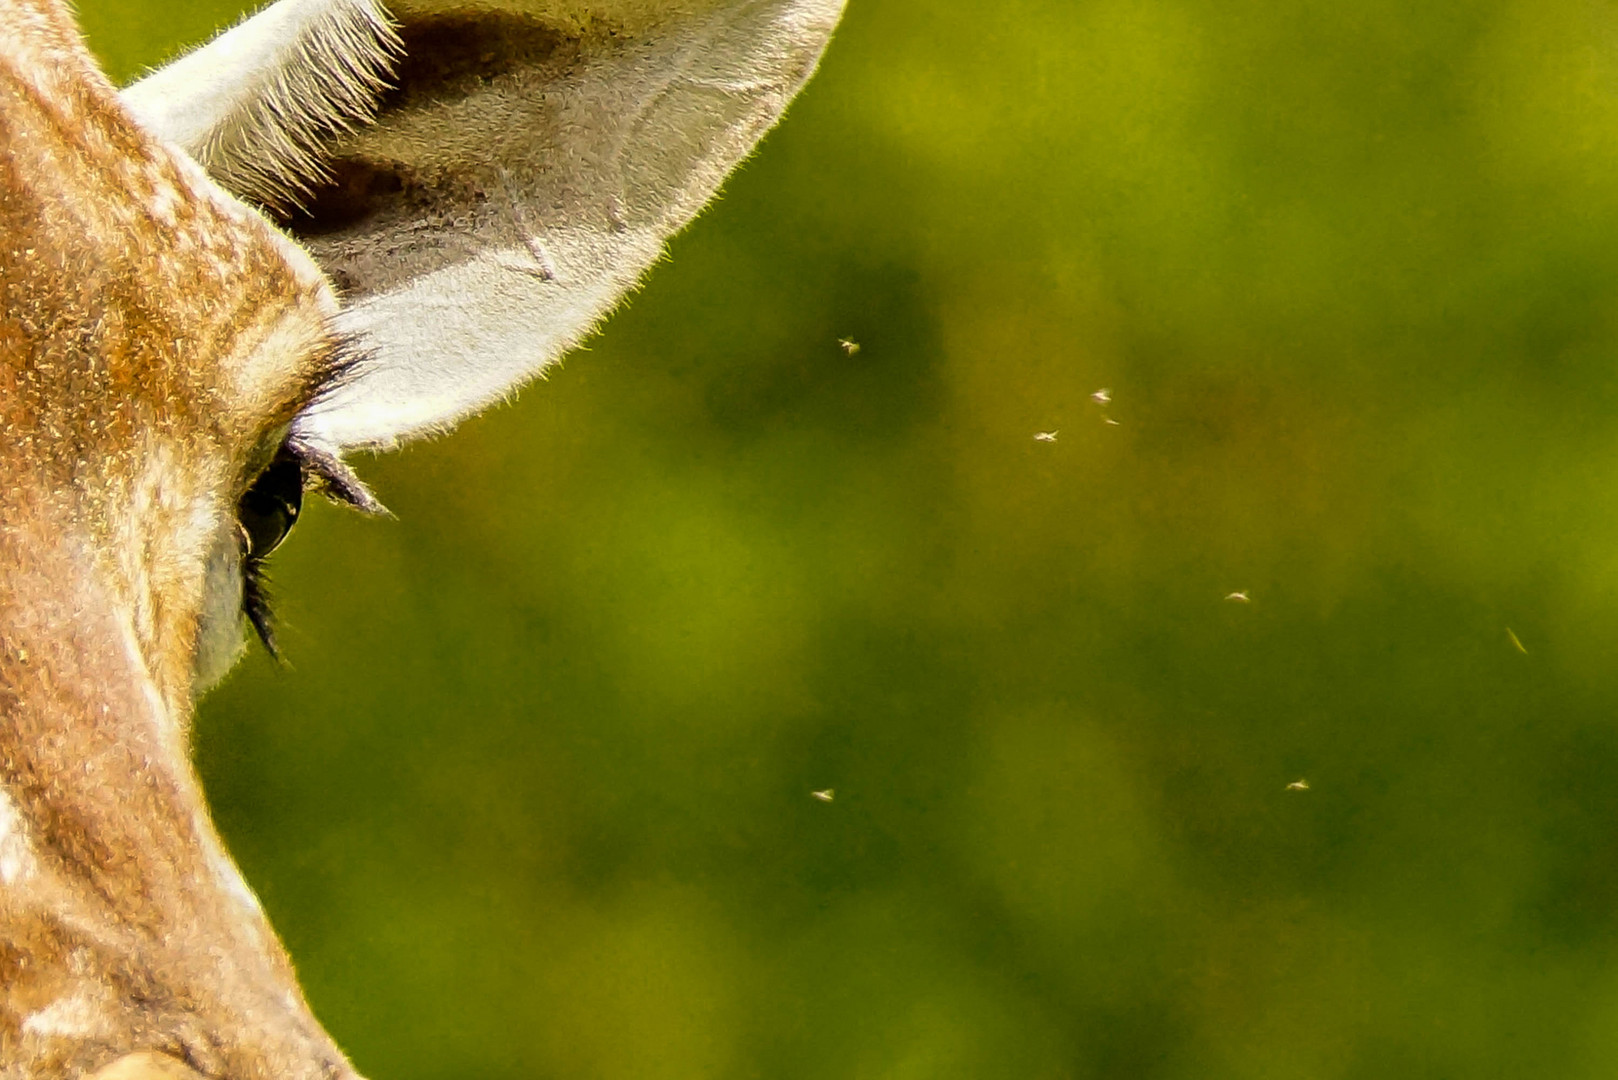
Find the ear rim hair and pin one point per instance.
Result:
(257, 106)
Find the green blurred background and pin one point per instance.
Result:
(533, 797)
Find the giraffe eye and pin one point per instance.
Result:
(270, 508)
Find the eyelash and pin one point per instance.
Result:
(275, 499)
(265, 515)
(270, 506)
(256, 603)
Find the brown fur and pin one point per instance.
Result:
(155, 339)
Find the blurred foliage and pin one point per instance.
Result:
(533, 797)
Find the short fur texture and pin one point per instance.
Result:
(154, 333)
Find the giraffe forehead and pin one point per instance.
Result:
(144, 282)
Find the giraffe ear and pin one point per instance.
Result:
(524, 171)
